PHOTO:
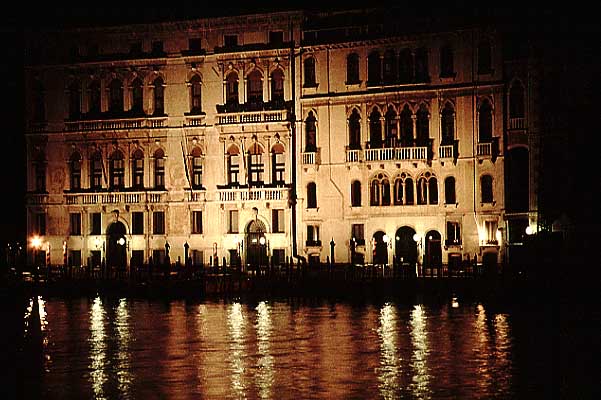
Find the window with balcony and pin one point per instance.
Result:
(230, 40)
(379, 191)
(278, 165)
(75, 224)
(310, 133)
(374, 69)
(405, 66)
(233, 165)
(356, 194)
(231, 88)
(196, 222)
(137, 96)
(427, 189)
(195, 45)
(352, 69)
(255, 165)
(196, 162)
(453, 233)
(447, 68)
(159, 169)
(277, 220)
(95, 224)
(484, 57)
(158, 222)
(403, 190)
(390, 125)
(117, 170)
(232, 221)
(195, 95)
(486, 189)
(313, 238)
(276, 37)
(157, 48)
(448, 124)
(94, 100)
(309, 72)
(490, 232)
(390, 67)
(137, 223)
(74, 101)
(115, 96)
(277, 87)
(449, 190)
(75, 171)
(137, 169)
(422, 126)
(354, 125)
(159, 96)
(406, 126)
(96, 170)
(485, 122)
(311, 195)
(375, 129)
(516, 100)
(39, 170)
(255, 87)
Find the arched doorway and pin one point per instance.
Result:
(256, 243)
(433, 254)
(405, 247)
(116, 252)
(380, 255)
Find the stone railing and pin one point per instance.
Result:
(115, 124)
(115, 198)
(252, 117)
(253, 194)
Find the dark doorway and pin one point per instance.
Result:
(433, 250)
(116, 255)
(405, 246)
(380, 248)
(256, 244)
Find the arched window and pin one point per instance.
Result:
(94, 89)
(427, 189)
(486, 189)
(447, 69)
(75, 171)
(310, 133)
(433, 190)
(74, 101)
(352, 69)
(406, 126)
(159, 169)
(195, 95)
(137, 99)
(255, 165)
(39, 165)
(405, 66)
(391, 127)
(390, 68)
(484, 57)
(117, 170)
(196, 168)
(422, 126)
(137, 169)
(159, 96)
(516, 101)
(39, 102)
(421, 65)
(449, 190)
(255, 87)
(277, 86)
(375, 129)
(485, 122)
(380, 190)
(403, 189)
(374, 69)
(448, 125)
(409, 197)
(233, 165)
(354, 126)
(311, 195)
(115, 96)
(96, 170)
(278, 165)
(231, 88)
(309, 69)
(356, 194)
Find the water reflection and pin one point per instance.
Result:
(265, 372)
(124, 377)
(419, 339)
(98, 360)
(237, 355)
(390, 364)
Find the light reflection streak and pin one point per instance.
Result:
(419, 339)
(236, 324)
(502, 351)
(124, 377)
(98, 346)
(390, 366)
(265, 362)
(482, 349)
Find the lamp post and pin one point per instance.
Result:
(418, 240)
(36, 244)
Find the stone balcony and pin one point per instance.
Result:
(116, 124)
(144, 197)
(252, 194)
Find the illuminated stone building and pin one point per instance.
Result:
(277, 135)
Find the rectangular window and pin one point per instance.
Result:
(277, 221)
(137, 223)
(197, 257)
(158, 257)
(313, 235)
(233, 167)
(95, 224)
(137, 258)
(117, 174)
(279, 168)
(197, 222)
(453, 233)
(197, 172)
(256, 169)
(276, 37)
(75, 175)
(157, 47)
(39, 222)
(158, 222)
(195, 44)
(278, 256)
(138, 173)
(232, 223)
(159, 173)
(75, 258)
(230, 40)
(490, 228)
(75, 224)
(95, 258)
(358, 234)
(40, 177)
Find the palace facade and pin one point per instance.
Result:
(342, 136)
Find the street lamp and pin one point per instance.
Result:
(418, 240)
(36, 244)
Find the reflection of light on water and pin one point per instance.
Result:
(502, 351)
(97, 348)
(455, 302)
(481, 348)
(124, 376)
(236, 326)
(265, 361)
(390, 364)
(419, 339)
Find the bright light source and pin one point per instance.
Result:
(121, 241)
(385, 238)
(417, 237)
(262, 240)
(529, 230)
(36, 242)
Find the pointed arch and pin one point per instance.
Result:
(195, 84)
(485, 121)
(75, 170)
(277, 79)
(354, 127)
(447, 117)
(231, 87)
(310, 133)
(137, 168)
(375, 128)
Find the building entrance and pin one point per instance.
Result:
(116, 253)
(256, 244)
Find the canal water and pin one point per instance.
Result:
(125, 348)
